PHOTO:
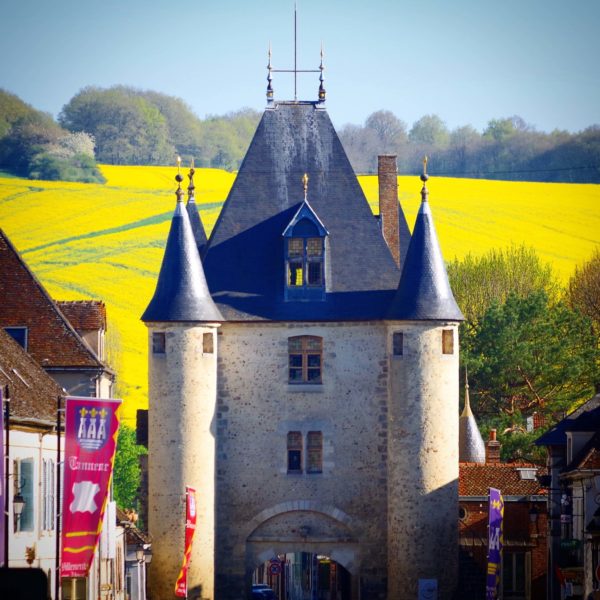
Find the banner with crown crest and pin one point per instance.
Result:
(91, 427)
(495, 543)
(181, 585)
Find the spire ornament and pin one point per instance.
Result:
(179, 179)
(322, 91)
(424, 178)
(305, 185)
(191, 186)
(269, 79)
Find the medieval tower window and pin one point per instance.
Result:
(305, 251)
(447, 341)
(207, 343)
(398, 343)
(294, 452)
(158, 342)
(314, 450)
(305, 357)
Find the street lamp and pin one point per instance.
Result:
(18, 505)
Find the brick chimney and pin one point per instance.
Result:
(387, 173)
(492, 449)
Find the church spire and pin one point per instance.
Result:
(181, 291)
(424, 292)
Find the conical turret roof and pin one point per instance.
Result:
(424, 291)
(181, 292)
(194, 215)
(471, 447)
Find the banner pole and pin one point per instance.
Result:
(58, 502)
(6, 408)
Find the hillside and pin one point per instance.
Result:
(106, 241)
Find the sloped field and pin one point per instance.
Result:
(106, 241)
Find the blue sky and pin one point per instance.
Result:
(467, 61)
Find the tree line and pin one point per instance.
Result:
(124, 125)
(508, 148)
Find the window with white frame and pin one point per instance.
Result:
(48, 492)
(23, 486)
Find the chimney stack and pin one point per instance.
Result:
(387, 173)
(492, 449)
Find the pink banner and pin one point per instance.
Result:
(3, 504)
(190, 528)
(91, 428)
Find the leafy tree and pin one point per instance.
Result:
(389, 129)
(430, 130)
(127, 473)
(478, 282)
(583, 291)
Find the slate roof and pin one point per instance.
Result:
(424, 291)
(194, 215)
(584, 418)
(476, 479)
(244, 261)
(181, 292)
(84, 315)
(471, 447)
(51, 339)
(403, 234)
(33, 393)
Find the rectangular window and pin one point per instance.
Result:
(207, 343)
(514, 575)
(19, 334)
(48, 484)
(305, 355)
(448, 341)
(158, 342)
(398, 343)
(23, 486)
(294, 451)
(314, 449)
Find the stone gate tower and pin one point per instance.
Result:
(182, 325)
(328, 426)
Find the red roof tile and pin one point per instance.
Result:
(52, 340)
(476, 479)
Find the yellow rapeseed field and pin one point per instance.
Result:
(106, 241)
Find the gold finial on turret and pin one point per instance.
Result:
(305, 184)
(179, 179)
(425, 159)
(191, 186)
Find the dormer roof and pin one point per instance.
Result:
(181, 292)
(305, 212)
(424, 291)
(244, 260)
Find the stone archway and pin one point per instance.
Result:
(305, 527)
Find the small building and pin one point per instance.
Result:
(574, 502)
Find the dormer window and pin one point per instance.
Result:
(305, 249)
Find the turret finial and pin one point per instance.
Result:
(191, 186)
(179, 179)
(269, 78)
(424, 178)
(467, 406)
(305, 184)
(322, 91)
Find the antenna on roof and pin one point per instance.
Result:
(295, 70)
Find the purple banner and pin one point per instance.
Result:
(3, 506)
(495, 543)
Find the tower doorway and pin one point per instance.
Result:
(302, 576)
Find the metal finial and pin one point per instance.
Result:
(179, 179)
(424, 178)
(467, 406)
(191, 186)
(269, 78)
(321, 78)
(305, 184)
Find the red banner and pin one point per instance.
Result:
(190, 528)
(91, 427)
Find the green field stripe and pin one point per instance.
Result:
(154, 220)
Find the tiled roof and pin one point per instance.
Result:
(33, 393)
(476, 479)
(244, 261)
(51, 339)
(84, 315)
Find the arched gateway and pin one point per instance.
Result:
(305, 542)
